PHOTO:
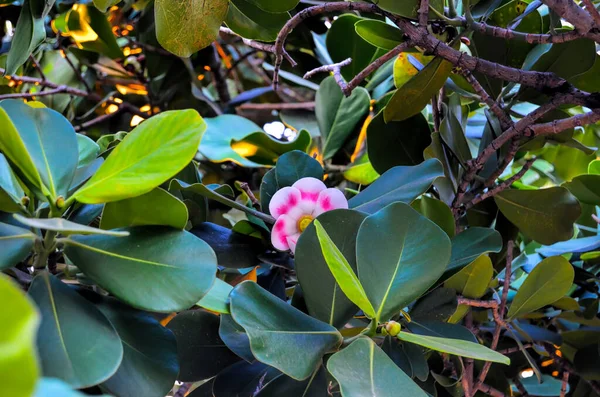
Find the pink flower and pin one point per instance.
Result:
(295, 207)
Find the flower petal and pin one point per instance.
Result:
(330, 199)
(310, 188)
(292, 241)
(283, 201)
(283, 228)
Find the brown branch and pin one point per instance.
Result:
(246, 188)
(515, 144)
(58, 90)
(336, 69)
(565, 383)
(491, 391)
(76, 71)
(557, 126)
(520, 386)
(97, 120)
(593, 11)
(258, 45)
(531, 38)
(423, 13)
(503, 117)
(515, 349)
(37, 67)
(277, 106)
(572, 13)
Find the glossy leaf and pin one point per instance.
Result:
(397, 142)
(285, 386)
(76, 343)
(342, 272)
(235, 337)
(379, 34)
(549, 281)
(202, 353)
(577, 245)
(248, 20)
(157, 207)
(15, 244)
(397, 184)
(28, 34)
(472, 282)
(324, 298)
(338, 115)
(65, 227)
(185, 27)
(155, 268)
(295, 165)
(413, 96)
(455, 346)
(278, 331)
(88, 150)
(154, 151)
(242, 379)
(471, 243)
(436, 211)
(11, 191)
(363, 369)
(50, 387)
(406, 243)
(409, 8)
(262, 149)
(217, 298)
(586, 188)
(20, 318)
(361, 172)
(42, 145)
(545, 215)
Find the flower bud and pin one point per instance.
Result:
(393, 328)
(60, 202)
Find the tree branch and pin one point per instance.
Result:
(423, 13)
(336, 69)
(592, 10)
(572, 13)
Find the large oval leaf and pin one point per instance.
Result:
(545, 215)
(249, 21)
(15, 244)
(184, 27)
(42, 144)
(398, 184)
(76, 343)
(549, 281)
(400, 254)
(338, 115)
(153, 152)
(155, 268)
(471, 243)
(323, 296)
(363, 369)
(20, 319)
(379, 34)
(281, 335)
(65, 227)
(586, 188)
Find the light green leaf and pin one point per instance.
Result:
(549, 281)
(394, 246)
(52, 387)
(262, 149)
(90, 29)
(157, 207)
(217, 298)
(20, 320)
(104, 5)
(76, 343)
(153, 152)
(155, 268)
(379, 34)
(88, 150)
(472, 282)
(362, 172)
(545, 215)
(343, 272)
(15, 244)
(436, 211)
(184, 27)
(363, 369)
(338, 115)
(457, 347)
(11, 191)
(397, 184)
(65, 227)
(280, 335)
(42, 144)
(594, 167)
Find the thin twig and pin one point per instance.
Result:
(515, 349)
(37, 67)
(98, 120)
(565, 383)
(423, 12)
(520, 386)
(491, 391)
(503, 117)
(246, 188)
(77, 72)
(336, 69)
(589, 6)
(258, 45)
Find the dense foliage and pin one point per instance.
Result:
(418, 214)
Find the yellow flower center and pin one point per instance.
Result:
(304, 222)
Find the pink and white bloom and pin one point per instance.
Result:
(295, 207)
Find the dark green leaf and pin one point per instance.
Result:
(65, 227)
(586, 188)
(379, 34)
(104, 5)
(471, 243)
(315, 386)
(262, 149)
(15, 243)
(11, 191)
(88, 150)
(295, 165)
(28, 34)
(275, 5)
(242, 379)
(436, 211)
(236, 339)
(409, 8)
(249, 21)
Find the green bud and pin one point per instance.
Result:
(393, 328)
(25, 201)
(60, 202)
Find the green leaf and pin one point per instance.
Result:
(457, 347)
(343, 42)
(249, 21)
(15, 244)
(51, 387)
(88, 150)
(436, 211)
(155, 268)
(338, 115)
(295, 165)
(586, 188)
(397, 184)
(28, 34)
(545, 215)
(153, 152)
(11, 191)
(394, 246)
(413, 96)
(548, 386)
(363, 369)
(235, 338)
(201, 352)
(286, 386)
(409, 8)
(184, 27)
(379, 34)
(343, 272)
(217, 298)
(549, 281)
(64, 226)
(471, 243)
(157, 207)
(104, 5)
(472, 282)
(42, 144)
(261, 148)
(397, 142)
(149, 366)
(275, 5)
(404, 70)
(220, 131)
(90, 29)
(278, 331)
(361, 172)
(20, 319)
(76, 343)
(594, 167)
